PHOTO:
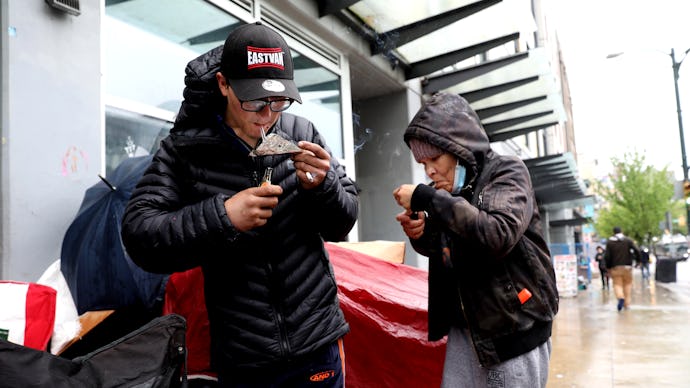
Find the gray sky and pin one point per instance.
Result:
(626, 103)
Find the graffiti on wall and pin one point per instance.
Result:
(74, 162)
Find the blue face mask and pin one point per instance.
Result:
(460, 175)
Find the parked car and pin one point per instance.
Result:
(674, 249)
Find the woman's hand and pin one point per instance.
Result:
(403, 195)
(413, 228)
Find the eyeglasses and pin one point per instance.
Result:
(258, 105)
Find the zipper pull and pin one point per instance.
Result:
(255, 178)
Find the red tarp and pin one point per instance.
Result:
(386, 307)
(384, 303)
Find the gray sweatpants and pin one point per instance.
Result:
(461, 368)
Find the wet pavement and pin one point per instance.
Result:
(647, 345)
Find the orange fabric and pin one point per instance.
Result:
(524, 295)
(342, 355)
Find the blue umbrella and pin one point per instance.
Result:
(98, 271)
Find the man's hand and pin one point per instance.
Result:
(312, 164)
(252, 207)
(413, 228)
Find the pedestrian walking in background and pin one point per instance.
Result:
(269, 288)
(492, 287)
(599, 258)
(620, 252)
(643, 263)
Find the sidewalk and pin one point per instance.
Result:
(645, 346)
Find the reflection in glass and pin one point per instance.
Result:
(320, 92)
(129, 134)
(148, 44)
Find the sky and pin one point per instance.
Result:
(627, 103)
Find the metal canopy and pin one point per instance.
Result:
(555, 178)
(482, 51)
(575, 221)
(501, 125)
(516, 99)
(491, 111)
(505, 135)
(520, 77)
(465, 47)
(431, 65)
(480, 94)
(448, 80)
(395, 38)
(327, 7)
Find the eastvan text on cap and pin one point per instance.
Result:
(264, 57)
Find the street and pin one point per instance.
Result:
(647, 345)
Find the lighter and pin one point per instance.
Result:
(267, 176)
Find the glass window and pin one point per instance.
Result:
(148, 44)
(131, 134)
(320, 92)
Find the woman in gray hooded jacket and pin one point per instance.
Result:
(492, 286)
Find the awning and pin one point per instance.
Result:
(479, 49)
(509, 84)
(513, 96)
(555, 179)
(483, 50)
(577, 220)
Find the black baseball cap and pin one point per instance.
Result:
(257, 63)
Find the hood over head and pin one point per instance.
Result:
(447, 121)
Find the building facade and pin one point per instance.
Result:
(87, 84)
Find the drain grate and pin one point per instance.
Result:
(69, 6)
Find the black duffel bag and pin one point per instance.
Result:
(153, 356)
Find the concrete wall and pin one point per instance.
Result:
(562, 234)
(383, 163)
(51, 128)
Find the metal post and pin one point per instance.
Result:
(676, 66)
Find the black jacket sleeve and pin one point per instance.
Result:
(161, 233)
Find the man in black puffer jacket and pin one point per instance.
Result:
(492, 287)
(270, 290)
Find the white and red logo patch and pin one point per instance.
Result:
(265, 57)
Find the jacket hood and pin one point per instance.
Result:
(203, 101)
(448, 122)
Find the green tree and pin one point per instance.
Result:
(678, 212)
(636, 198)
